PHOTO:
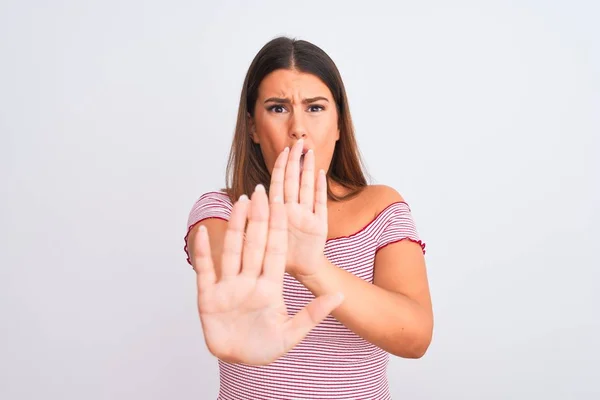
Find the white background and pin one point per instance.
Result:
(116, 115)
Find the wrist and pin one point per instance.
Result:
(317, 269)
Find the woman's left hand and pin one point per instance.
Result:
(306, 209)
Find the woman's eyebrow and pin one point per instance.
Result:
(287, 101)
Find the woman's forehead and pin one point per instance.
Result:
(286, 83)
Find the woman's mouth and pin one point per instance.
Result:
(301, 166)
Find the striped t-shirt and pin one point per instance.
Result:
(332, 362)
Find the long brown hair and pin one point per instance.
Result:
(246, 167)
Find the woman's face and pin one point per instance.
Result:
(293, 105)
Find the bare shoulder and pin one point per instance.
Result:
(385, 193)
(381, 196)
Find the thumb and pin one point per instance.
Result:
(310, 316)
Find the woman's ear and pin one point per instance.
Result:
(252, 129)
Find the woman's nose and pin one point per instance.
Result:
(297, 127)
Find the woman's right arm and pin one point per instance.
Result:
(216, 228)
(213, 210)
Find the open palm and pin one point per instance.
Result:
(243, 314)
(306, 209)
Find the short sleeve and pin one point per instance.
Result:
(209, 205)
(398, 224)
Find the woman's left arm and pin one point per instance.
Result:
(395, 312)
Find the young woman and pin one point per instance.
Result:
(305, 288)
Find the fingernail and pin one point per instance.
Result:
(340, 295)
(309, 151)
(202, 228)
(260, 188)
(322, 171)
(286, 149)
(243, 198)
(277, 199)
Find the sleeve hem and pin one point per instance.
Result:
(185, 247)
(419, 242)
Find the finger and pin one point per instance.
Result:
(309, 317)
(307, 187)
(277, 240)
(202, 261)
(234, 238)
(256, 233)
(278, 175)
(321, 197)
(292, 173)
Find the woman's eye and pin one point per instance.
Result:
(316, 108)
(277, 109)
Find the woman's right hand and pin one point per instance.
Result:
(243, 314)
